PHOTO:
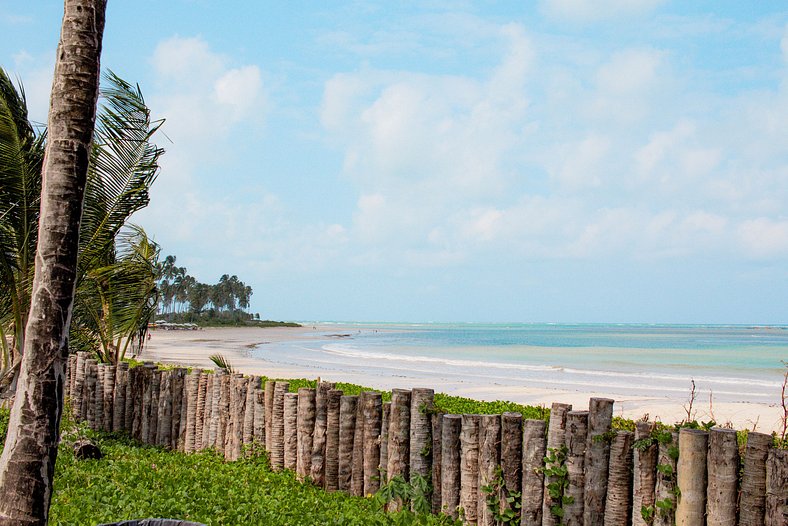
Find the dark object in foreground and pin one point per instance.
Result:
(154, 522)
(85, 449)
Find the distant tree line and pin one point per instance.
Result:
(183, 298)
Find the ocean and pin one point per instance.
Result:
(731, 362)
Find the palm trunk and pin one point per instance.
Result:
(216, 393)
(357, 478)
(177, 379)
(600, 418)
(556, 431)
(332, 439)
(576, 440)
(98, 400)
(691, 476)
(254, 383)
(164, 430)
(511, 457)
(91, 372)
(421, 407)
(347, 427)
(619, 483)
(224, 413)
(27, 464)
(373, 404)
(291, 431)
(753, 482)
(437, 462)
(665, 491)
(399, 433)
(318, 466)
(78, 394)
(469, 467)
(533, 477)
(259, 416)
(278, 426)
(269, 412)
(645, 475)
(777, 488)
(489, 459)
(723, 467)
(306, 426)
(199, 422)
(450, 465)
(119, 397)
(208, 416)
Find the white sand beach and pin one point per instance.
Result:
(193, 348)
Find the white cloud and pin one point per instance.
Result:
(595, 10)
(784, 44)
(764, 237)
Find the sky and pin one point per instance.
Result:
(547, 161)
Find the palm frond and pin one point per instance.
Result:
(222, 363)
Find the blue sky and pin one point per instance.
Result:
(559, 160)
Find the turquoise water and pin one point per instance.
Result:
(733, 362)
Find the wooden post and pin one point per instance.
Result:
(216, 395)
(119, 397)
(666, 481)
(239, 386)
(208, 413)
(131, 407)
(98, 401)
(600, 418)
(192, 385)
(384, 439)
(450, 465)
(332, 439)
(489, 459)
(644, 479)
(576, 442)
(72, 376)
(752, 508)
(533, 478)
(278, 426)
(399, 435)
(91, 372)
(318, 466)
(248, 423)
(290, 431)
(723, 472)
(109, 393)
(155, 388)
(469, 467)
(357, 478)
(691, 476)
(437, 461)
(259, 416)
(200, 422)
(421, 407)
(78, 395)
(177, 377)
(556, 431)
(373, 404)
(347, 426)
(618, 502)
(777, 488)
(511, 456)
(269, 413)
(164, 430)
(224, 412)
(306, 426)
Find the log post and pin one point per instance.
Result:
(109, 393)
(665, 492)
(177, 377)
(155, 388)
(450, 465)
(644, 478)
(347, 427)
(318, 466)
(290, 431)
(399, 435)
(98, 401)
(723, 472)
(489, 459)
(777, 488)
(119, 397)
(89, 402)
(511, 457)
(576, 442)
(164, 429)
(533, 477)
(600, 418)
(190, 396)
(691, 477)
(278, 426)
(437, 461)
(332, 439)
(132, 408)
(556, 431)
(181, 433)
(269, 413)
(224, 412)
(357, 477)
(72, 376)
(216, 394)
(421, 407)
(208, 414)
(239, 385)
(78, 394)
(469, 467)
(248, 423)
(259, 416)
(752, 508)
(306, 426)
(384, 439)
(618, 501)
(373, 404)
(200, 421)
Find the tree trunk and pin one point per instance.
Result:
(665, 515)
(131, 406)
(192, 385)
(177, 377)
(777, 488)
(224, 413)
(450, 465)
(600, 418)
(618, 502)
(437, 461)
(318, 466)
(109, 392)
(199, 423)
(278, 426)
(248, 435)
(644, 478)
(576, 442)
(489, 459)
(119, 397)
(357, 478)
(347, 427)
(91, 372)
(208, 413)
(216, 395)
(153, 424)
(332, 439)
(269, 413)
(399, 435)
(373, 403)
(291, 431)
(533, 478)
(691, 477)
(78, 395)
(469, 467)
(421, 407)
(147, 394)
(98, 399)
(164, 431)
(511, 457)
(752, 509)
(723, 472)
(27, 463)
(238, 411)
(71, 377)
(556, 432)
(384, 439)
(259, 416)
(306, 426)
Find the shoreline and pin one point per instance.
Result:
(193, 348)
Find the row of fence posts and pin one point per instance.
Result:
(572, 470)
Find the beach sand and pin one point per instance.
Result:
(193, 348)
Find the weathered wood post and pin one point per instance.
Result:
(216, 394)
(177, 377)
(318, 466)
(347, 427)
(306, 426)
(91, 373)
(259, 416)
(666, 480)
(723, 472)
(131, 408)
(98, 401)
(332, 439)
(384, 439)
(399, 435)
(278, 426)
(190, 395)
(373, 404)
(248, 424)
(164, 430)
(208, 416)
(450, 465)
(290, 431)
(644, 473)
(78, 394)
(437, 463)
(618, 502)
(224, 412)
(533, 478)
(421, 407)
(119, 397)
(469, 467)
(556, 431)
(357, 477)
(777, 488)
(691, 477)
(576, 442)
(489, 459)
(153, 417)
(600, 418)
(238, 414)
(109, 393)
(72, 376)
(269, 413)
(199, 424)
(752, 507)
(511, 456)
